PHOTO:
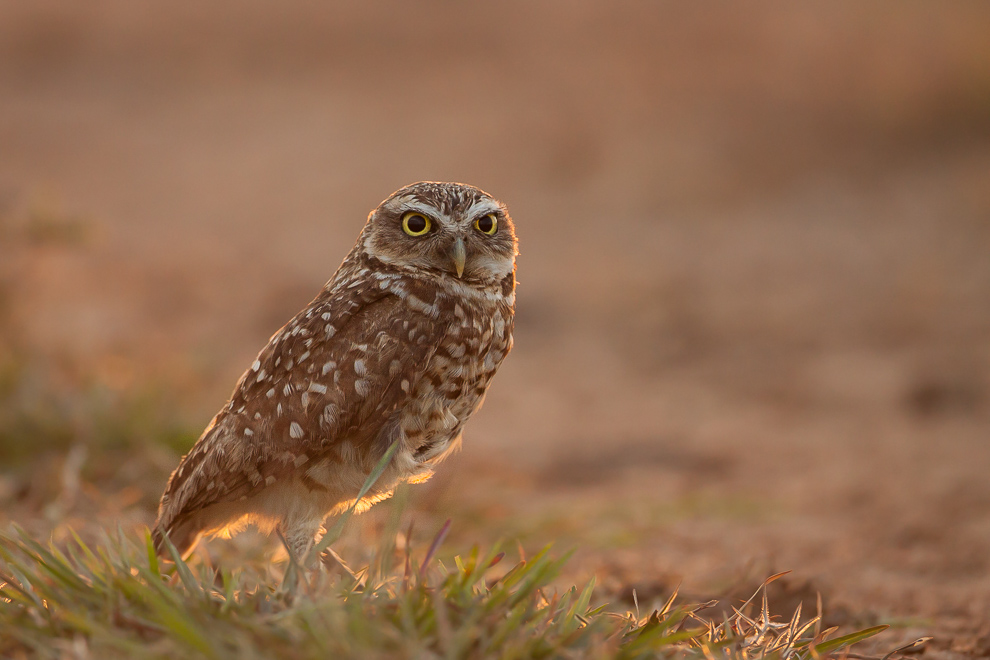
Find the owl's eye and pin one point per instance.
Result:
(487, 224)
(415, 224)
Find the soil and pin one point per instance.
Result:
(753, 327)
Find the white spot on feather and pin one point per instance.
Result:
(256, 365)
(420, 306)
(330, 415)
(295, 431)
(362, 387)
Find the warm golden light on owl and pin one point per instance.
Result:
(397, 347)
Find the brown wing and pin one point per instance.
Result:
(340, 370)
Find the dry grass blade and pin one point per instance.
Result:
(331, 553)
(670, 601)
(437, 540)
(921, 641)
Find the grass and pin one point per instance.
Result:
(116, 599)
(112, 597)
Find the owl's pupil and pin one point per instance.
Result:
(416, 224)
(485, 224)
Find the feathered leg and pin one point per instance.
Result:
(300, 535)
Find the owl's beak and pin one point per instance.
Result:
(458, 255)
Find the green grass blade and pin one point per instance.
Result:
(334, 532)
(848, 640)
(190, 582)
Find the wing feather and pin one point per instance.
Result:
(339, 371)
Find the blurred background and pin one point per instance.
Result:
(753, 327)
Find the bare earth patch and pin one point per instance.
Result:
(753, 331)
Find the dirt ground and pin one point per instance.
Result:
(753, 327)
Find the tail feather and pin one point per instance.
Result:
(183, 536)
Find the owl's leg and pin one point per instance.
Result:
(300, 535)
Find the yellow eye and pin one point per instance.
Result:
(487, 224)
(415, 224)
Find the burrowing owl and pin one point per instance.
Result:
(400, 344)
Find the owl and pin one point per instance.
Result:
(399, 346)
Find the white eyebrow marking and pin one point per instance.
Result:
(411, 205)
(482, 207)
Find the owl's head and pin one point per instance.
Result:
(448, 229)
